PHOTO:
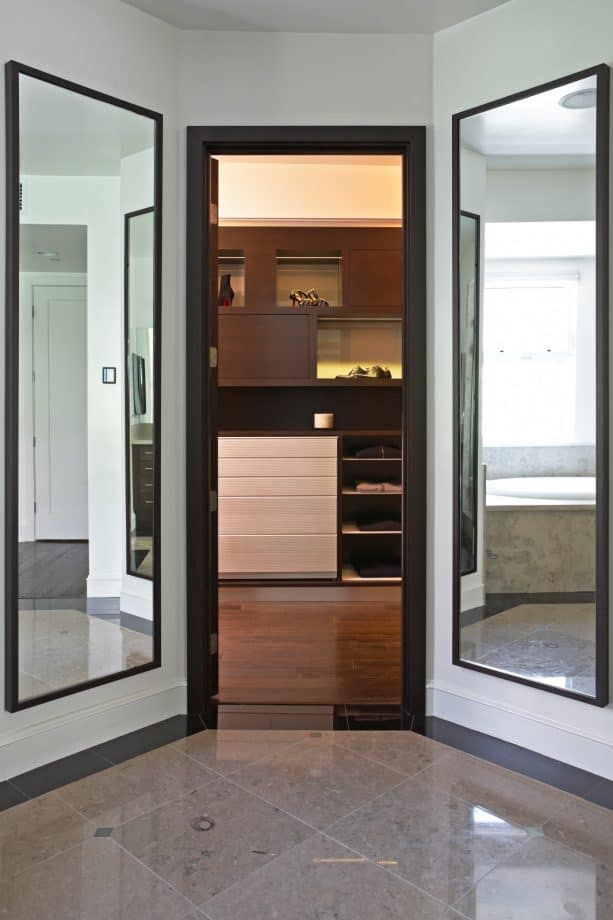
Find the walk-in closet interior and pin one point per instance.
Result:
(309, 423)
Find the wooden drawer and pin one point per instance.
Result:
(282, 554)
(239, 487)
(278, 447)
(285, 467)
(278, 515)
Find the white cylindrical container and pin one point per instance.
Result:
(323, 420)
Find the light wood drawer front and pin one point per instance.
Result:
(237, 486)
(278, 515)
(259, 556)
(278, 447)
(286, 467)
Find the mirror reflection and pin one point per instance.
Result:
(84, 165)
(528, 602)
(139, 230)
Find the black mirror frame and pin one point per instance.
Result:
(602, 74)
(13, 71)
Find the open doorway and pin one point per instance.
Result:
(312, 616)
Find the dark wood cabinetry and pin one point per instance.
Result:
(142, 488)
(263, 338)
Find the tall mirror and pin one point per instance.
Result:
(531, 387)
(83, 214)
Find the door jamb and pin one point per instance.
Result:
(202, 142)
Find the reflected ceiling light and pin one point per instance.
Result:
(48, 254)
(580, 99)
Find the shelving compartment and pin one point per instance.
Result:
(371, 524)
(309, 270)
(346, 342)
(232, 262)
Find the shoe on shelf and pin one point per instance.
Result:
(356, 371)
(381, 373)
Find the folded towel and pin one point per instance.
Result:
(378, 451)
(369, 487)
(378, 568)
(392, 487)
(384, 524)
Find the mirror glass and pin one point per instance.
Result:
(84, 165)
(527, 388)
(140, 279)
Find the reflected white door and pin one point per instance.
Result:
(60, 412)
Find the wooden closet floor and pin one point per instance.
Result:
(310, 653)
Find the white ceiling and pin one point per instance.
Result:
(536, 131)
(366, 16)
(62, 133)
(69, 243)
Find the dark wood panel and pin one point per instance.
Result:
(310, 653)
(264, 347)
(292, 408)
(375, 278)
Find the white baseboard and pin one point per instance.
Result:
(47, 741)
(560, 741)
(136, 597)
(473, 597)
(103, 587)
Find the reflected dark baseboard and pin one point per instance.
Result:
(136, 624)
(499, 603)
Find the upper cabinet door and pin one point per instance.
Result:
(375, 278)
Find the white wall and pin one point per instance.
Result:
(116, 49)
(518, 45)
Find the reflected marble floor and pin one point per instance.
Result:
(245, 825)
(62, 647)
(550, 643)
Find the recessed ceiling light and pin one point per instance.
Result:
(580, 99)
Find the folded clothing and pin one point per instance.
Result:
(384, 524)
(378, 568)
(393, 485)
(379, 451)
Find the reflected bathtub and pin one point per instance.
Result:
(542, 491)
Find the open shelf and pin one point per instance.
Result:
(232, 262)
(350, 528)
(371, 494)
(345, 342)
(350, 576)
(305, 270)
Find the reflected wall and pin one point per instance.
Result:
(78, 164)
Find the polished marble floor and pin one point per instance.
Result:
(60, 647)
(554, 644)
(240, 825)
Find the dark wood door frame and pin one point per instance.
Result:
(202, 143)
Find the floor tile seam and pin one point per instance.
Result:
(192, 904)
(576, 851)
(360, 756)
(546, 818)
(407, 882)
(148, 811)
(280, 808)
(381, 763)
(32, 867)
(243, 766)
(534, 779)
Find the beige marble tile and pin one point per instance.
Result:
(508, 795)
(543, 881)
(406, 752)
(585, 827)
(37, 830)
(211, 839)
(435, 841)
(321, 880)
(94, 881)
(135, 787)
(318, 780)
(228, 750)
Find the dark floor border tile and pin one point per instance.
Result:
(92, 760)
(562, 776)
(10, 795)
(555, 773)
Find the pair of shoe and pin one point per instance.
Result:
(376, 372)
(309, 298)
